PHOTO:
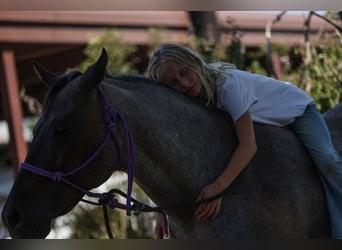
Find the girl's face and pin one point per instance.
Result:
(182, 78)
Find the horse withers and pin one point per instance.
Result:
(180, 146)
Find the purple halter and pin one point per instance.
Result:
(110, 116)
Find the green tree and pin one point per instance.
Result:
(320, 72)
(120, 54)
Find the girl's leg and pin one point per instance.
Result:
(314, 134)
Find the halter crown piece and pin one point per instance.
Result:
(110, 116)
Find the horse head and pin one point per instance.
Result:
(72, 110)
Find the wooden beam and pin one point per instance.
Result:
(44, 51)
(9, 87)
(103, 18)
(77, 36)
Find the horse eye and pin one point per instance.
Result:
(58, 129)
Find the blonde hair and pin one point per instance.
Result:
(208, 73)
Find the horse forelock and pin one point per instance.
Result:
(58, 84)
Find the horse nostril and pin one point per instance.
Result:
(13, 217)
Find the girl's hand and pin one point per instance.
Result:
(161, 228)
(209, 210)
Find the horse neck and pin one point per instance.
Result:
(163, 168)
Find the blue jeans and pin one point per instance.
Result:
(312, 130)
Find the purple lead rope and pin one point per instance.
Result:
(110, 115)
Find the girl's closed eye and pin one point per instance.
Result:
(183, 71)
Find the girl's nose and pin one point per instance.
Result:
(185, 82)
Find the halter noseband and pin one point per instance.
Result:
(110, 116)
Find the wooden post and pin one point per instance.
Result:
(9, 88)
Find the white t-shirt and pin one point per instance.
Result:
(269, 101)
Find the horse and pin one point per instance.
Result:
(180, 145)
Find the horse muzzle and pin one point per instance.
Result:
(21, 226)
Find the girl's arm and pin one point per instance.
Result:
(242, 155)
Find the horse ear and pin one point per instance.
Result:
(43, 73)
(96, 72)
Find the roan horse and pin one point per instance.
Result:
(180, 146)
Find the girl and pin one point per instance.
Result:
(250, 98)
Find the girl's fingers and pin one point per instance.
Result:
(209, 210)
(205, 211)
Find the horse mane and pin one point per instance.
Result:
(132, 78)
(132, 82)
